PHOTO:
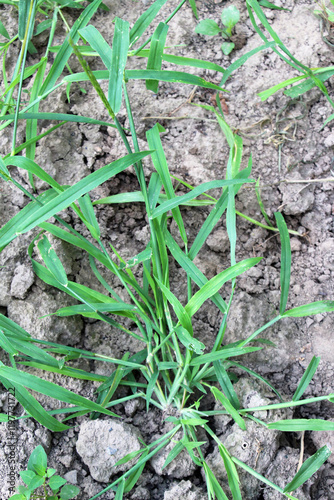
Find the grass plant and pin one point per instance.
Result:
(174, 369)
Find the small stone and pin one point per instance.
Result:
(295, 245)
(329, 141)
(218, 241)
(22, 281)
(71, 476)
(66, 460)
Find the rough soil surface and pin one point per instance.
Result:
(287, 143)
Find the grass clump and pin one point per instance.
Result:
(173, 369)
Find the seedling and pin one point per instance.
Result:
(230, 16)
(41, 481)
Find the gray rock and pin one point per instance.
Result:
(297, 201)
(184, 490)
(71, 476)
(218, 241)
(22, 281)
(101, 443)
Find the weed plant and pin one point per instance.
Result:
(173, 366)
(40, 480)
(230, 16)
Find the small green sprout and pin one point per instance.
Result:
(230, 16)
(38, 476)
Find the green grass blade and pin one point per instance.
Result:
(154, 60)
(29, 349)
(194, 8)
(197, 191)
(226, 384)
(8, 231)
(241, 61)
(222, 354)
(306, 378)
(189, 341)
(150, 388)
(230, 211)
(88, 212)
(269, 5)
(81, 242)
(232, 474)
(319, 307)
(98, 43)
(65, 51)
(119, 56)
(33, 407)
(23, 17)
(174, 452)
(329, 119)
(3, 31)
(66, 371)
(65, 199)
(28, 72)
(309, 467)
(120, 309)
(170, 76)
(179, 310)
(305, 86)
(144, 21)
(229, 407)
(267, 93)
(52, 261)
(138, 259)
(257, 9)
(50, 389)
(256, 375)
(191, 270)
(302, 424)
(285, 261)
(13, 328)
(120, 490)
(213, 285)
(6, 345)
(4, 172)
(160, 164)
(153, 192)
(133, 197)
(33, 168)
(261, 478)
(60, 117)
(214, 488)
(184, 61)
(215, 215)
